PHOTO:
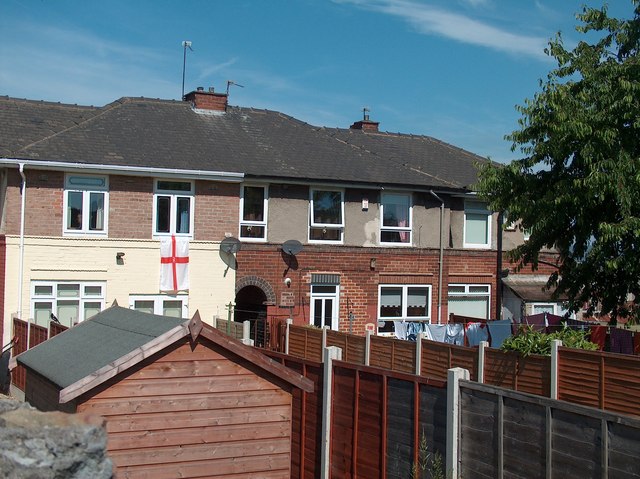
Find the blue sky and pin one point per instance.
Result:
(451, 69)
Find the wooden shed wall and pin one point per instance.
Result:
(43, 394)
(195, 413)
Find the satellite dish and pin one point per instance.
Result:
(230, 245)
(292, 247)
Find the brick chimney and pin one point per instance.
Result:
(365, 124)
(207, 100)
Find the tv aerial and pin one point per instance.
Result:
(228, 247)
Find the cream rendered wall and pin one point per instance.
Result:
(70, 259)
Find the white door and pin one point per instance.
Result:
(324, 306)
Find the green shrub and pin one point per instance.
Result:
(529, 341)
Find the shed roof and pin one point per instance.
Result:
(169, 134)
(116, 339)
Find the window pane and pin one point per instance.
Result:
(253, 204)
(543, 308)
(86, 181)
(93, 290)
(252, 231)
(477, 228)
(43, 290)
(68, 312)
(456, 289)
(479, 289)
(394, 236)
(172, 308)
(317, 313)
(316, 289)
(91, 309)
(182, 215)
(395, 210)
(391, 302)
(96, 211)
(328, 312)
(42, 313)
(476, 307)
(417, 302)
(327, 207)
(74, 210)
(163, 212)
(69, 290)
(146, 306)
(325, 234)
(174, 185)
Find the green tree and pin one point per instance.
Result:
(577, 186)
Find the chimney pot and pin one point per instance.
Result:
(210, 89)
(200, 88)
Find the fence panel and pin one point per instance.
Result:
(621, 383)
(305, 342)
(500, 368)
(389, 353)
(353, 347)
(478, 435)
(56, 328)
(534, 375)
(524, 440)
(19, 374)
(579, 377)
(400, 430)
(436, 359)
(343, 412)
(369, 431)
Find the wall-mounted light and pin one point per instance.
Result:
(372, 263)
(120, 258)
(287, 281)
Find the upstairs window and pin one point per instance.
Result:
(326, 216)
(395, 219)
(173, 208)
(86, 202)
(253, 213)
(477, 225)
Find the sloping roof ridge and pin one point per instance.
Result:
(102, 111)
(46, 102)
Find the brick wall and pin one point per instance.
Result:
(3, 270)
(358, 279)
(130, 206)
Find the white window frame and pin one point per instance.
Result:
(86, 191)
(334, 226)
(248, 223)
(470, 294)
(335, 296)
(405, 294)
(158, 299)
(553, 305)
(473, 207)
(54, 298)
(400, 229)
(174, 195)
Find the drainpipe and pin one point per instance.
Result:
(441, 255)
(21, 267)
(499, 268)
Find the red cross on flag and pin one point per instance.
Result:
(174, 264)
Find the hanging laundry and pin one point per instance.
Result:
(400, 329)
(621, 341)
(476, 332)
(499, 331)
(636, 342)
(437, 332)
(413, 330)
(598, 336)
(577, 324)
(454, 334)
(537, 321)
(554, 323)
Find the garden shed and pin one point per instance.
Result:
(180, 398)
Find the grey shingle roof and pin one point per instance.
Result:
(92, 344)
(259, 143)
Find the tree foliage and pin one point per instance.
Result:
(577, 187)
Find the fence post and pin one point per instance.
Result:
(454, 375)
(246, 329)
(481, 356)
(555, 344)
(286, 336)
(367, 348)
(419, 353)
(324, 337)
(329, 355)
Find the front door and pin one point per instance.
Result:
(324, 306)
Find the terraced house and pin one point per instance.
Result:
(349, 228)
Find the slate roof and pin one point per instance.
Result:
(92, 344)
(261, 144)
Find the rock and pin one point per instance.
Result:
(45, 445)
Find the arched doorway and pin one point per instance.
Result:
(250, 304)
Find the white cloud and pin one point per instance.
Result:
(431, 20)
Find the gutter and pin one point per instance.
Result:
(440, 265)
(129, 170)
(21, 267)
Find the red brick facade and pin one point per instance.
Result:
(3, 270)
(360, 276)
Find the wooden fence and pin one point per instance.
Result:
(378, 420)
(591, 378)
(507, 434)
